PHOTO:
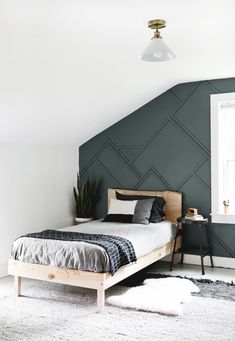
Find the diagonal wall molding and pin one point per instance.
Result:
(163, 145)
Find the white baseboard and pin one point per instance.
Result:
(3, 270)
(221, 262)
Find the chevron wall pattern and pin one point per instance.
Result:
(163, 145)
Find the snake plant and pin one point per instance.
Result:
(86, 196)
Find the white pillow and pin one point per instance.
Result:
(122, 206)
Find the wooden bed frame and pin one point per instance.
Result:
(100, 281)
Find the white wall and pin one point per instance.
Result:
(66, 60)
(35, 191)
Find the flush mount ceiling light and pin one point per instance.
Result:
(157, 50)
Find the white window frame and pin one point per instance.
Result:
(217, 166)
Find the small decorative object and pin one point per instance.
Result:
(86, 196)
(192, 211)
(226, 206)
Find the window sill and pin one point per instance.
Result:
(223, 218)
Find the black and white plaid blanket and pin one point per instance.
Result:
(120, 250)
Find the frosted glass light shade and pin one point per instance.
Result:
(157, 51)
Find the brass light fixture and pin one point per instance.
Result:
(157, 50)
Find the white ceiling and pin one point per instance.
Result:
(71, 68)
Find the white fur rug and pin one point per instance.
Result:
(163, 295)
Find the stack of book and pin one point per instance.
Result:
(194, 217)
(192, 214)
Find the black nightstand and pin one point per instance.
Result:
(202, 251)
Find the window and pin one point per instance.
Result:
(223, 157)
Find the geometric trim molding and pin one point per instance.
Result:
(163, 145)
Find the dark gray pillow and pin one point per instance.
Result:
(157, 213)
(142, 211)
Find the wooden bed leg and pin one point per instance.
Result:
(100, 299)
(18, 285)
(176, 259)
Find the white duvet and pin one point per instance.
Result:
(90, 257)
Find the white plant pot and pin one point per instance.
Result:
(226, 209)
(82, 220)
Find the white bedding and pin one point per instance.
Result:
(144, 238)
(90, 257)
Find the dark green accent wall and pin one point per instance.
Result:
(163, 145)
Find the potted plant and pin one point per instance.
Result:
(86, 196)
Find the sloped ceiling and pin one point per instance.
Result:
(69, 68)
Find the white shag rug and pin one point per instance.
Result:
(163, 295)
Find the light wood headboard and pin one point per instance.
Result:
(173, 208)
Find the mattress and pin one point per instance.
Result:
(90, 257)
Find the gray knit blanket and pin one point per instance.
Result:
(120, 250)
